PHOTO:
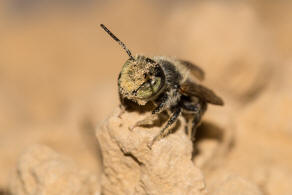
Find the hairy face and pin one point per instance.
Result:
(141, 79)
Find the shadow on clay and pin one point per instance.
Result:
(159, 122)
(148, 108)
(4, 192)
(134, 107)
(209, 131)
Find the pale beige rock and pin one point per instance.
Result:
(40, 170)
(130, 167)
(235, 185)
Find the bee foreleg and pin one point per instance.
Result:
(162, 102)
(165, 131)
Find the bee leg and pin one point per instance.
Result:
(193, 110)
(189, 127)
(196, 123)
(165, 131)
(197, 120)
(161, 105)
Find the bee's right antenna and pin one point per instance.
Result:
(118, 40)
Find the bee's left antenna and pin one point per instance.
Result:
(117, 40)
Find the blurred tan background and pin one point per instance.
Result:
(58, 73)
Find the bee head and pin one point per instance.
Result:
(141, 79)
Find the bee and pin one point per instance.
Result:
(171, 84)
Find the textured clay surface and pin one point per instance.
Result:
(40, 170)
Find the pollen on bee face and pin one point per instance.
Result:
(133, 75)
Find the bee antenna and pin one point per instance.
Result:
(117, 40)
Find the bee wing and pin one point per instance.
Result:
(192, 89)
(194, 69)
